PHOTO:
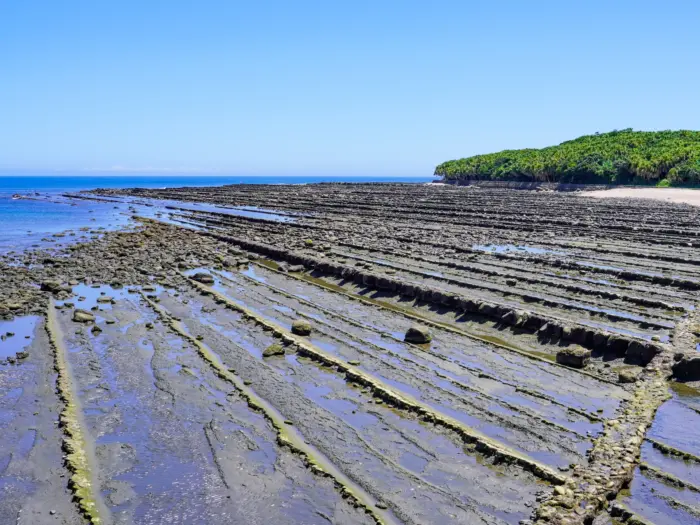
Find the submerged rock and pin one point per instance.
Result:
(575, 357)
(418, 334)
(83, 316)
(203, 278)
(273, 349)
(301, 327)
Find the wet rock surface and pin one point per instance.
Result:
(273, 353)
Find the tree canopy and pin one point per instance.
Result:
(618, 157)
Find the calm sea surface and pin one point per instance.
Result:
(31, 222)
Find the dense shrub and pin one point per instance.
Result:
(618, 157)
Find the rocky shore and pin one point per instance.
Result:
(380, 353)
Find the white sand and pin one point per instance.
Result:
(663, 194)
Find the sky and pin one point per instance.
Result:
(333, 87)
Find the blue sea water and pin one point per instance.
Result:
(71, 183)
(32, 222)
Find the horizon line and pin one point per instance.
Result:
(70, 173)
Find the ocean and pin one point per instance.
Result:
(35, 221)
(53, 184)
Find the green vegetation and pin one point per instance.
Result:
(663, 158)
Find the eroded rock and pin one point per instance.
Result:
(687, 369)
(418, 334)
(301, 327)
(273, 349)
(203, 277)
(641, 353)
(629, 375)
(575, 357)
(83, 316)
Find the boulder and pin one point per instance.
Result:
(203, 277)
(687, 369)
(575, 357)
(418, 334)
(82, 316)
(273, 349)
(54, 287)
(301, 327)
(50, 286)
(229, 261)
(641, 353)
(629, 375)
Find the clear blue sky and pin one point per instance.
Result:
(332, 87)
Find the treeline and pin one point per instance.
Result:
(618, 157)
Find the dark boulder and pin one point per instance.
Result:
(301, 327)
(273, 349)
(203, 277)
(575, 357)
(83, 316)
(687, 369)
(641, 353)
(418, 334)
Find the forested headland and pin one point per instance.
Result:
(619, 157)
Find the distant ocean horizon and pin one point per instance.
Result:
(11, 183)
(36, 220)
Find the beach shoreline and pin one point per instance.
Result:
(676, 195)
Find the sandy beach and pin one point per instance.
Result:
(678, 195)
